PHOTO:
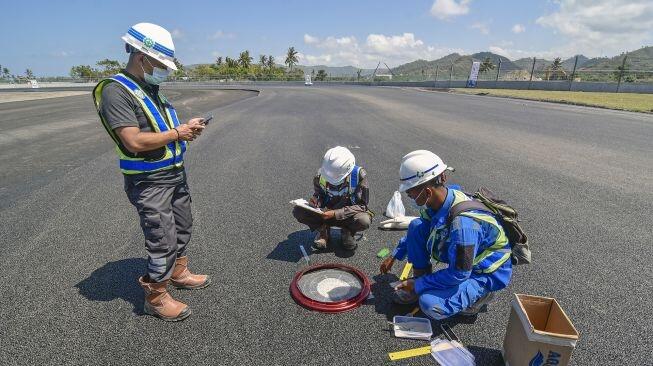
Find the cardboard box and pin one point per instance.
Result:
(539, 333)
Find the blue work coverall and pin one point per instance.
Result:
(450, 290)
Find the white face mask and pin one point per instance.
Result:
(157, 76)
(413, 202)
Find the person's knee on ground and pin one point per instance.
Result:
(361, 222)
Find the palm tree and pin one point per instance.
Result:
(245, 60)
(555, 70)
(291, 57)
(358, 74)
(218, 60)
(270, 62)
(29, 74)
(263, 60)
(231, 63)
(486, 65)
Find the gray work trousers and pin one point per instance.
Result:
(356, 223)
(166, 221)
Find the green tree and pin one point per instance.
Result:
(231, 63)
(29, 74)
(5, 72)
(109, 67)
(83, 72)
(245, 60)
(358, 74)
(218, 61)
(180, 72)
(291, 57)
(486, 65)
(263, 60)
(555, 70)
(321, 75)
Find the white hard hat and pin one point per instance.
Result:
(154, 41)
(419, 167)
(338, 162)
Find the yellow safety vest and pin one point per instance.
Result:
(159, 122)
(490, 259)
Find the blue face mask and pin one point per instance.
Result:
(157, 76)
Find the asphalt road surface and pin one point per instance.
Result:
(72, 249)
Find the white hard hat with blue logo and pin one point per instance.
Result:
(153, 40)
(418, 167)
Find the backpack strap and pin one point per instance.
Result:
(353, 183)
(465, 206)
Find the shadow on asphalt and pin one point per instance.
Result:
(116, 280)
(288, 250)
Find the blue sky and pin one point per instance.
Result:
(49, 37)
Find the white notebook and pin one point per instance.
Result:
(300, 202)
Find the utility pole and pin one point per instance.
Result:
(621, 72)
(450, 74)
(374, 73)
(573, 73)
(531, 79)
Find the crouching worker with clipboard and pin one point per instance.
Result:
(341, 196)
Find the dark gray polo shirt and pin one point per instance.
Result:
(119, 108)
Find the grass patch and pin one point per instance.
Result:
(622, 101)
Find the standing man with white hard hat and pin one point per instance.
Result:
(150, 143)
(472, 243)
(342, 191)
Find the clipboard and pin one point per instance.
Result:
(302, 203)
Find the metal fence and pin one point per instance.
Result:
(533, 73)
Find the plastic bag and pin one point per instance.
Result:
(395, 207)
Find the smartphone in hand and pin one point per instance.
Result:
(207, 119)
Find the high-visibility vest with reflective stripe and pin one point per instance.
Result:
(490, 259)
(159, 122)
(350, 188)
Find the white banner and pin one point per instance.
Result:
(473, 74)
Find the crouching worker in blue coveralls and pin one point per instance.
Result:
(473, 245)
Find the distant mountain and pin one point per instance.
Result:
(461, 64)
(641, 59)
(542, 64)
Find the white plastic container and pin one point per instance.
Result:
(451, 353)
(412, 327)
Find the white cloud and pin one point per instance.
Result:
(308, 39)
(445, 9)
(481, 27)
(177, 34)
(593, 27)
(392, 49)
(515, 54)
(518, 28)
(222, 35)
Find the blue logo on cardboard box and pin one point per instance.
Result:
(553, 358)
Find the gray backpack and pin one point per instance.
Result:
(485, 200)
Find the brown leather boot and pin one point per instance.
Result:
(160, 304)
(182, 278)
(321, 238)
